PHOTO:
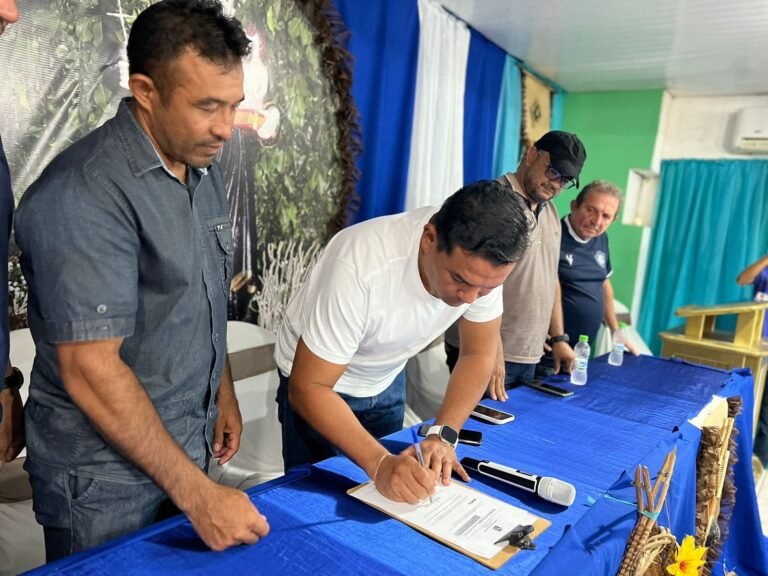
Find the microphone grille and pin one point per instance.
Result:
(556, 491)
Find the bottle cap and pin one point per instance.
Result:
(583, 338)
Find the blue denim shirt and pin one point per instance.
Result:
(6, 217)
(113, 245)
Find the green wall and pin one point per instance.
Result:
(619, 131)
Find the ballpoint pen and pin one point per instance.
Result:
(420, 458)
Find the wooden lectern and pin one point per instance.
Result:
(702, 343)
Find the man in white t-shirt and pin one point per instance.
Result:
(382, 291)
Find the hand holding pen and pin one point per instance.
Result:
(420, 458)
(400, 478)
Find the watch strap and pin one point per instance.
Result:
(437, 430)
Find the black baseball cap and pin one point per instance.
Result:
(566, 152)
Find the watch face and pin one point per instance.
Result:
(449, 435)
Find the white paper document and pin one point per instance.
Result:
(464, 517)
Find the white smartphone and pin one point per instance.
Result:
(492, 415)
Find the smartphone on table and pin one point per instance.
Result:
(548, 388)
(471, 437)
(492, 415)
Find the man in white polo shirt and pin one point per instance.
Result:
(381, 292)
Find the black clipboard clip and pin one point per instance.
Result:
(519, 537)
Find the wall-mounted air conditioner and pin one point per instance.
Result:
(749, 131)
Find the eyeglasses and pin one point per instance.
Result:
(555, 176)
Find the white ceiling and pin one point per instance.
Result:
(690, 47)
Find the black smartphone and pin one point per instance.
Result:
(471, 437)
(548, 388)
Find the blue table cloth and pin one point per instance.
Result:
(594, 439)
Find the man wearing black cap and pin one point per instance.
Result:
(532, 305)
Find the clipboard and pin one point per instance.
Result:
(495, 562)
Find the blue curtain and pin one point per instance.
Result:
(558, 101)
(384, 41)
(507, 149)
(711, 221)
(485, 69)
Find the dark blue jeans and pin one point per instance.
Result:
(514, 372)
(78, 512)
(380, 415)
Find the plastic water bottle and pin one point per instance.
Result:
(616, 357)
(579, 373)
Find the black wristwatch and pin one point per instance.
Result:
(446, 434)
(15, 380)
(562, 338)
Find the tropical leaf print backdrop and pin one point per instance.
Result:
(64, 71)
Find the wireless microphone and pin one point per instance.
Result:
(550, 489)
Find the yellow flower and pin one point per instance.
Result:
(688, 558)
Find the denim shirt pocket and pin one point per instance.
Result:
(221, 227)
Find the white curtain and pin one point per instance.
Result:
(435, 169)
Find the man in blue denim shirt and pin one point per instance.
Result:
(127, 249)
(11, 430)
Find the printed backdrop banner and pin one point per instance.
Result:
(65, 70)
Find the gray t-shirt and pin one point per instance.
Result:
(113, 245)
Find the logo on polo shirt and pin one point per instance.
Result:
(600, 258)
(569, 258)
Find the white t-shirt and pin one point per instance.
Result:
(364, 305)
